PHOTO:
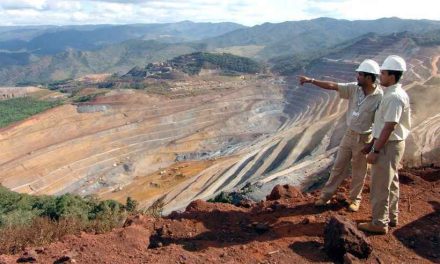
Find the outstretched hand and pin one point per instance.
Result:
(303, 79)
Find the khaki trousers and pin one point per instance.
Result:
(349, 150)
(385, 183)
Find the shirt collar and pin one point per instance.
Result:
(377, 90)
(392, 88)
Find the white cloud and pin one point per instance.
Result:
(373, 9)
(22, 4)
(247, 12)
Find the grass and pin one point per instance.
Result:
(43, 231)
(17, 109)
(29, 220)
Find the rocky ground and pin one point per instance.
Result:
(286, 228)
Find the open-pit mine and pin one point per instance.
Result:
(209, 133)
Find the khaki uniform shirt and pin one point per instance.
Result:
(361, 108)
(394, 108)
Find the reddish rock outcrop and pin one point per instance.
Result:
(341, 237)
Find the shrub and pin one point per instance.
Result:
(156, 208)
(27, 220)
(131, 205)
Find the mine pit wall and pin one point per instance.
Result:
(307, 169)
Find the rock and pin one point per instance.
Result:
(138, 219)
(29, 256)
(197, 205)
(341, 197)
(269, 210)
(350, 259)
(341, 237)
(65, 259)
(308, 220)
(260, 228)
(128, 167)
(284, 192)
(277, 206)
(342, 189)
(246, 203)
(135, 236)
(39, 250)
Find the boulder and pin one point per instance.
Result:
(135, 236)
(341, 236)
(284, 192)
(29, 256)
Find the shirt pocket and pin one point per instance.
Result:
(365, 119)
(368, 110)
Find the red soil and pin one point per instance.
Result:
(286, 230)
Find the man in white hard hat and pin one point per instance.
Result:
(364, 97)
(391, 127)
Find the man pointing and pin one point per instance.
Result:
(363, 98)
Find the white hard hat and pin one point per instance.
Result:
(394, 63)
(369, 66)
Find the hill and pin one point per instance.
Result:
(193, 63)
(309, 36)
(63, 53)
(73, 63)
(49, 53)
(52, 40)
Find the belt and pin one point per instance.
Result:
(357, 134)
(352, 132)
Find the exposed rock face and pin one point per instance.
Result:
(284, 192)
(92, 108)
(341, 237)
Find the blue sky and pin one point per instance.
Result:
(246, 12)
